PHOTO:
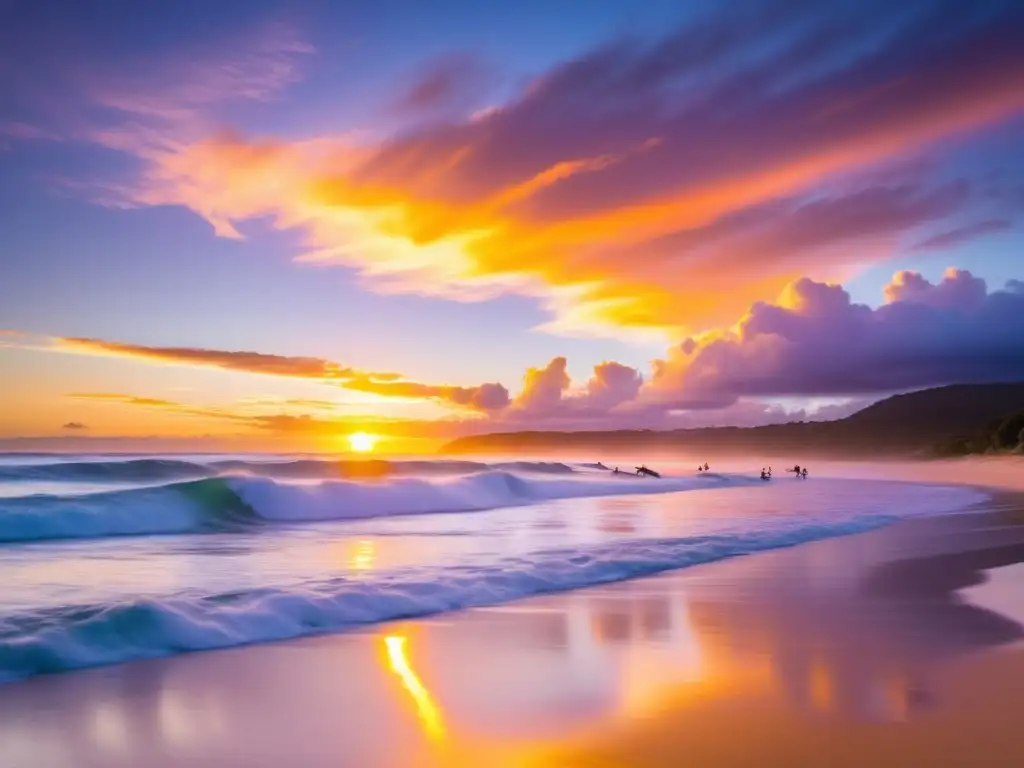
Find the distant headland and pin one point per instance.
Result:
(953, 420)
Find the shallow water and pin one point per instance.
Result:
(297, 557)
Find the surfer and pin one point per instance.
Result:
(705, 466)
(803, 473)
(643, 470)
(764, 475)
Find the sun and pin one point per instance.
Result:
(362, 442)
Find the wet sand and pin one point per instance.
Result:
(888, 648)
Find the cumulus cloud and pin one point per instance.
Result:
(543, 387)
(613, 384)
(816, 341)
(547, 395)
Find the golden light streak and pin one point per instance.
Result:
(427, 710)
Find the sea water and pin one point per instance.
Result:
(105, 559)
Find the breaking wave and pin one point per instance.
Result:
(233, 502)
(72, 637)
(157, 470)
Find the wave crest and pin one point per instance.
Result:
(152, 470)
(226, 503)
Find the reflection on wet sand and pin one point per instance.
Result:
(427, 710)
(803, 638)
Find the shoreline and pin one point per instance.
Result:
(810, 629)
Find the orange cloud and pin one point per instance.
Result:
(603, 186)
(491, 397)
(486, 397)
(239, 417)
(249, 362)
(158, 403)
(127, 399)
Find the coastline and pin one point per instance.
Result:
(862, 637)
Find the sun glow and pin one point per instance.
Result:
(362, 442)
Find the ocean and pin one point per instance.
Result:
(107, 559)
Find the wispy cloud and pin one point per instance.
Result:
(146, 105)
(485, 397)
(450, 85)
(249, 362)
(603, 187)
(611, 185)
(256, 65)
(152, 402)
(160, 404)
(960, 235)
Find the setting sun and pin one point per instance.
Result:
(362, 442)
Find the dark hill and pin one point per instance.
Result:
(902, 424)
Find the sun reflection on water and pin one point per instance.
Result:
(364, 555)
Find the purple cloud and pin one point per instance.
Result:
(448, 84)
(961, 235)
(816, 341)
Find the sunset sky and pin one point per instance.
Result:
(267, 225)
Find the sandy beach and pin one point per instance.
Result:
(896, 647)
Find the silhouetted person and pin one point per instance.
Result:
(706, 466)
(803, 473)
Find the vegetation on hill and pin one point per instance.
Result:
(912, 423)
(1005, 435)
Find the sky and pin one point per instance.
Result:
(268, 225)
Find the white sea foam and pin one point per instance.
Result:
(89, 636)
(53, 639)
